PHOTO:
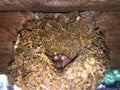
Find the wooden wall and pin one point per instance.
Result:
(109, 24)
(9, 23)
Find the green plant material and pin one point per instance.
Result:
(111, 77)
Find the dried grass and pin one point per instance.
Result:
(71, 34)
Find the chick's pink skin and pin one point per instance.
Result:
(61, 60)
(66, 60)
(56, 58)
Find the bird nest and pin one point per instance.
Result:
(70, 34)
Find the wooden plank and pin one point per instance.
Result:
(109, 24)
(9, 23)
(59, 5)
(5, 59)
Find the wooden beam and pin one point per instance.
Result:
(59, 5)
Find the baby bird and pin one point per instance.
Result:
(61, 60)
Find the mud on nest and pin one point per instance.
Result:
(70, 34)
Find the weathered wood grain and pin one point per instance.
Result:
(59, 5)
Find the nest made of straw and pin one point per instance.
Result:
(71, 34)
